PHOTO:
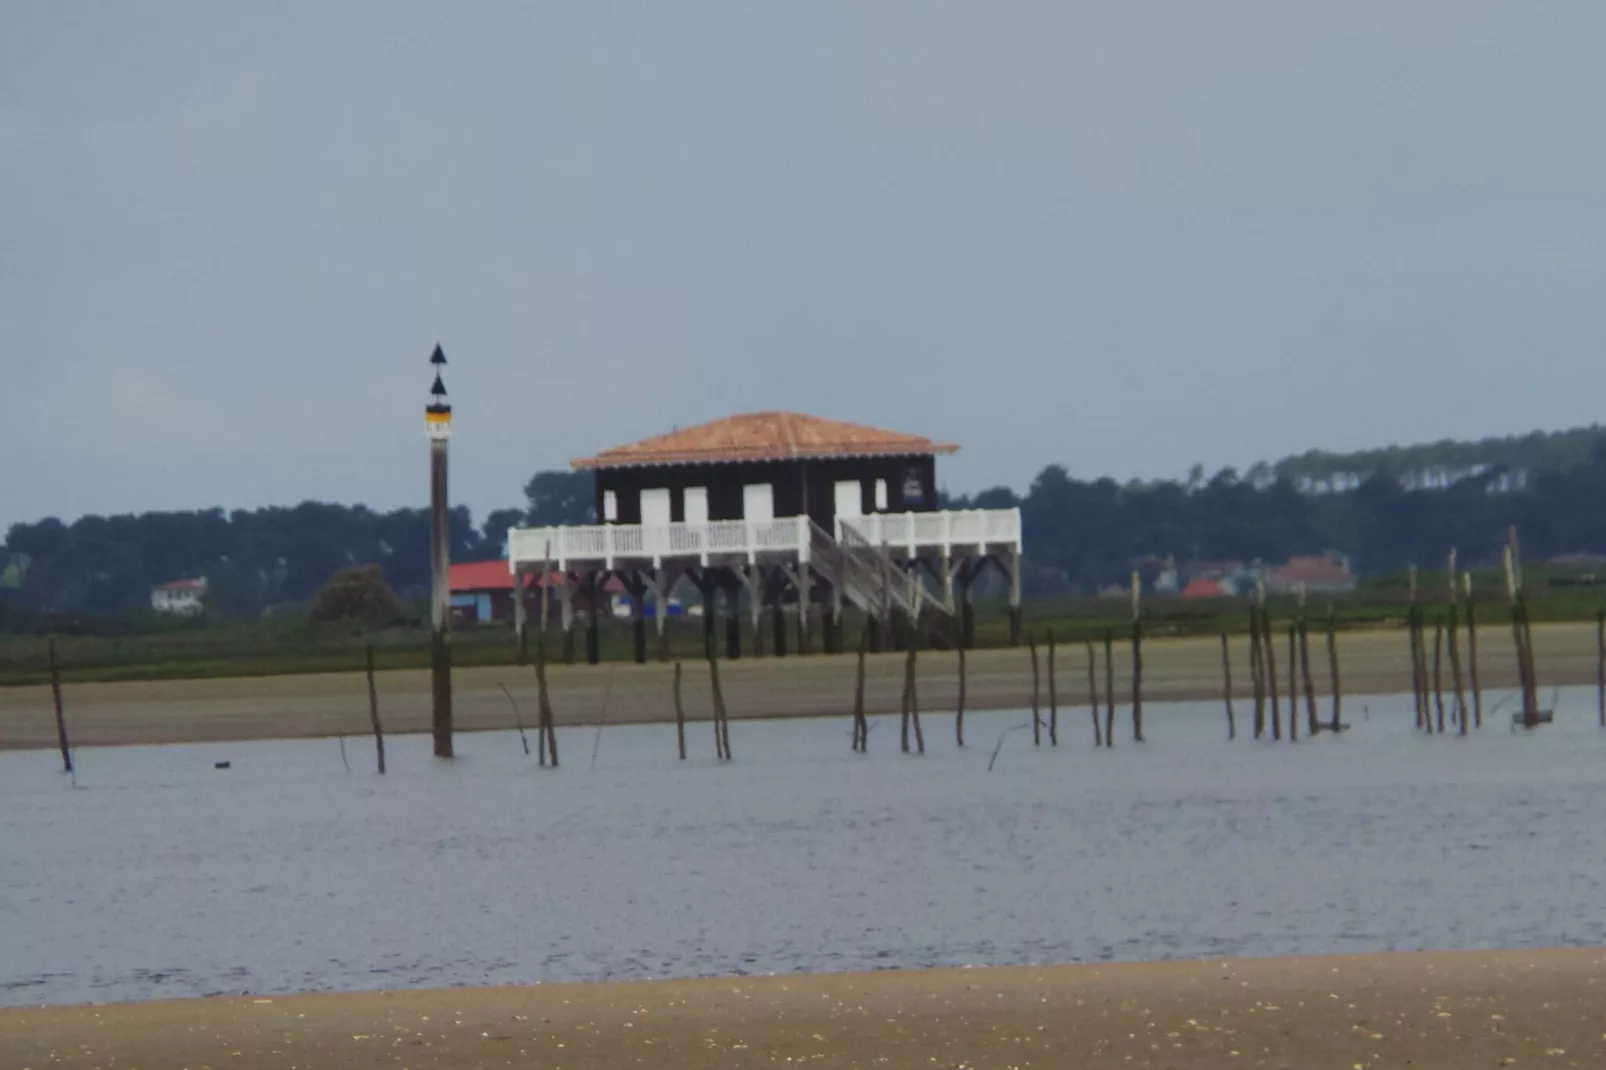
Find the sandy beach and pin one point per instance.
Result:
(282, 707)
(1427, 1011)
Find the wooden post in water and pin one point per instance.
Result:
(1226, 687)
(1109, 689)
(722, 737)
(1424, 673)
(1332, 668)
(544, 708)
(1530, 715)
(1453, 646)
(1269, 660)
(680, 716)
(1462, 714)
(861, 727)
(1053, 697)
(1293, 682)
(373, 709)
(1312, 721)
(905, 703)
(1257, 673)
(61, 717)
(1093, 692)
(1527, 632)
(914, 697)
(1037, 720)
(1600, 662)
(1472, 650)
(1453, 635)
(1137, 658)
(1438, 677)
(1413, 624)
(1313, 725)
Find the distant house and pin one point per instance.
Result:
(182, 598)
(1325, 574)
(482, 591)
(1203, 588)
(1214, 579)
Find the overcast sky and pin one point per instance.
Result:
(1123, 237)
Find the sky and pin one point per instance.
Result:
(1126, 238)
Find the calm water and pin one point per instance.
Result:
(160, 876)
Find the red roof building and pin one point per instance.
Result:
(1326, 574)
(483, 591)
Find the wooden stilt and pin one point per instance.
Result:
(803, 580)
(1015, 616)
(597, 597)
(733, 618)
(710, 598)
(777, 608)
(638, 619)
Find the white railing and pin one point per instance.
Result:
(964, 528)
(606, 543)
(899, 532)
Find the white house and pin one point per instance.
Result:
(181, 597)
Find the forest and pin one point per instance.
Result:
(1080, 535)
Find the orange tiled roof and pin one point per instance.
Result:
(765, 436)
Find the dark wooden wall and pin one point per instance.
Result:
(794, 482)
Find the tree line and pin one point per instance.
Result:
(1080, 535)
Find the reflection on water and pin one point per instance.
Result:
(161, 876)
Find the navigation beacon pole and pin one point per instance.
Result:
(438, 422)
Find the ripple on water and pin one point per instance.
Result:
(164, 877)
